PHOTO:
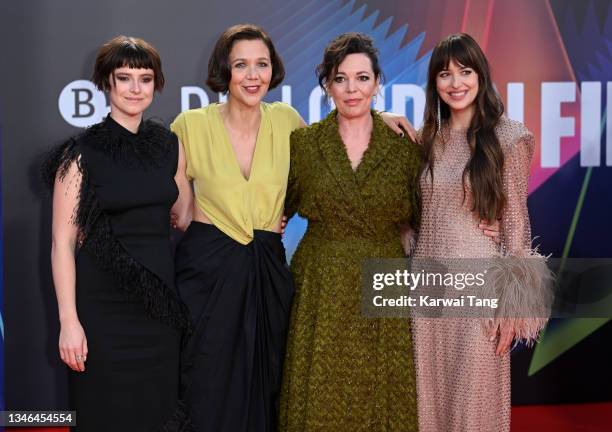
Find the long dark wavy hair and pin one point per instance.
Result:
(486, 163)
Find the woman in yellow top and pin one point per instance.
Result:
(231, 267)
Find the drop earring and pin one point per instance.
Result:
(439, 117)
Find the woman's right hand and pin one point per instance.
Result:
(284, 221)
(73, 345)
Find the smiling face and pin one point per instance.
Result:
(251, 70)
(457, 86)
(353, 86)
(131, 91)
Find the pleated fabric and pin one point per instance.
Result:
(239, 298)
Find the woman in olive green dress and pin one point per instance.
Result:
(354, 180)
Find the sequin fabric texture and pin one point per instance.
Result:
(461, 384)
(345, 372)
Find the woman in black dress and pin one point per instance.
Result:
(113, 188)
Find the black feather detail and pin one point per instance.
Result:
(160, 301)
(56, 164)
(58, 161)
(148, 149)
(94, 228)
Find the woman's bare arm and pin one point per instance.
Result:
(182, 210)
(72, 341)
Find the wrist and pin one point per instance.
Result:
(68, 318)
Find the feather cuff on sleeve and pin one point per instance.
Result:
(523, 285)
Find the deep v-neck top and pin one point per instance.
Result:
(234, 204)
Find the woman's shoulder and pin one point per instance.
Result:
(196, 121)
(151, 129)
(153, 146)
(155, 125)
(300, 139)
(312, 133)
(402, 143)
(155, 131)
(279, 108)
(58, 158)
(195, 114)
(284, 113)
(84, 138)
(305, 141)
(511, 132)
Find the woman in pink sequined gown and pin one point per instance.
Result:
(463, 370)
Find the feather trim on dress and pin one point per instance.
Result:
(94, 227)
(524, 287)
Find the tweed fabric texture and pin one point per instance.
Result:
(345, 372)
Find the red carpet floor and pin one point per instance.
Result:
(538, 418)
(595, 417)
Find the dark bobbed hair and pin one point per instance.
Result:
(219, 68)
(337, 50)
(486, 162)
(126, 51)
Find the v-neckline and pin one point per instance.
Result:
(335, 153)
(364, 155)
(231, 149)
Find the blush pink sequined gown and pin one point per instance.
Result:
(462, 385)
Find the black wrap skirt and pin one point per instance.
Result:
(239, 298)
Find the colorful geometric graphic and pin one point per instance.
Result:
(537, 47)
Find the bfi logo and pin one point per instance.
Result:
(81, 104)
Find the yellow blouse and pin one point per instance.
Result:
(234, 204)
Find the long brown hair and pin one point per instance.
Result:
(486, 162)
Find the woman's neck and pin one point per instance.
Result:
(355, 125)
(461, 119)
(240, 116)
(130, 122)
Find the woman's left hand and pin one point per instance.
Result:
(490, 229)
(399, 124)
(505, 335)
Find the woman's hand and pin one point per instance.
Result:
(73, 345)
(283, 224)
(408, 239)
(490, 229)
(504, 333)
(174, 220)
(399, 124)
(72, 342)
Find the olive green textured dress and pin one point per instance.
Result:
(343, 371)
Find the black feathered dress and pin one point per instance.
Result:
(125, 295)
